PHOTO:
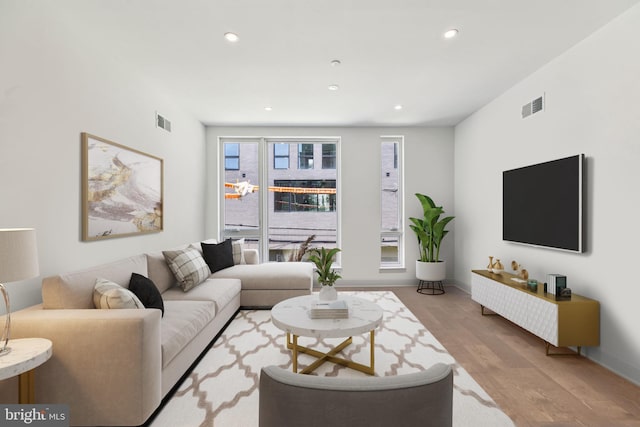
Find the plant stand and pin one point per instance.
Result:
(430, 287)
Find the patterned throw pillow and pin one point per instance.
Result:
(146, 291)
(218, 256)
(107, 294)
(188, 266)
(238, 251)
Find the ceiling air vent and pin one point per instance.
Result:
(533, 107)
(163, 123)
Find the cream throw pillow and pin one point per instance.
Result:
(107, 294)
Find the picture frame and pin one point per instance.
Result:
(122, 190)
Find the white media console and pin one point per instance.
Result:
(575, 322)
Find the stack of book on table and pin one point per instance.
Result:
(329, 310)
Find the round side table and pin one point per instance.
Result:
(26, 355)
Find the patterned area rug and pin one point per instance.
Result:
(222, 390)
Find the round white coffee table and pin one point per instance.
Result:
(26, 355)
(292, 316)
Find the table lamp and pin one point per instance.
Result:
(18, 261)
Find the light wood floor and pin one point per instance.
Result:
(510, 364)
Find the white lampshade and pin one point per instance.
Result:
(18, 254)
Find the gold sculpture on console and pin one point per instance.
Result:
(495, 267)
(520, 272)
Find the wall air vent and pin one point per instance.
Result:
(533, 107)
(163, 123)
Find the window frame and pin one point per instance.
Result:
(262, 234)
(236, 156)
(277, 156)
(333, 156)
(305, 156)
(391, 233)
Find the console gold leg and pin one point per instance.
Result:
(548, 353)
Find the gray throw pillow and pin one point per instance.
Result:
(187, 266)
(238, 251)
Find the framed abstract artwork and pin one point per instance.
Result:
(122, 190)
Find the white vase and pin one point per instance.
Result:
(431, 271)
(328, 293)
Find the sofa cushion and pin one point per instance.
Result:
(188, 267)
(182, 321)
(271, 276)
(109, 295)
(146, 292)
(218, 256)
(75, 289)
(220, 291)
(159, 272)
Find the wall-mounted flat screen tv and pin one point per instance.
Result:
(542, 204)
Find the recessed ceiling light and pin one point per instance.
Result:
(398, 107)
(450, 33)
(231, 37)
(333, 87)
(335, 63)
(268, 108)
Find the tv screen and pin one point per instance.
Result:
(542, 204)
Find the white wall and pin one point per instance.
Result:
(592, 107)
(56, 82)
(428, 156)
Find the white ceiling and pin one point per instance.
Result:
(392, 52)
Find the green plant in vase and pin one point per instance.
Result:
(430, 230)
(323, 259)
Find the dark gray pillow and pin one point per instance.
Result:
(146, 291)
(218, 256)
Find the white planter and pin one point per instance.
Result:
(328, 293)
(431, 271)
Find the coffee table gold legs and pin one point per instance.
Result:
(330, 356)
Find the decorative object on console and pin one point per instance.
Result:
(121, 190)
(18, 261)
(323, 260)
(532, 285)
(430, 230)
(564, 295)
(520, 271)
(556, 283)
(495, 267)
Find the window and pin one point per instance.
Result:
(232, 156)
(305, 195)
(305, 156)
(273, 206)
(328, 156)
(391, 223)
(240, 207)
(281, 156)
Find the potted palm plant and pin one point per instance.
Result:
(430, 230)
(323, 259)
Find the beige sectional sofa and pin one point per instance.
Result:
(114, 367)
